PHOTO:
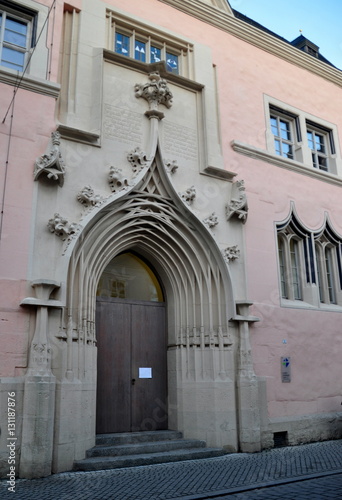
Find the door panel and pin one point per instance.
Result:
(131, 335)
(149, 351)
(113, 405)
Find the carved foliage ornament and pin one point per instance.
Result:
(62, 227)
(155, 92)
(238, 204)
(231, 253)
(51, 165)
(189, 195)
(88, 197)
(211, 221)
(116, 179)
(138, 160)
(171, 166)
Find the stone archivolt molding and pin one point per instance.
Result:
(51, 165)
(150, 220)
(238, 206)
(61, 227)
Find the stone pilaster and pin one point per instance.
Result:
(39, 390)
(249, 403)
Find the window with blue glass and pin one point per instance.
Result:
(122, 44)
(172, 63)
(145, 48)
(285, 130)
(140, 51)
(16, 29)
(321, 143)
(155, 54)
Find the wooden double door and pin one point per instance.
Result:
(131, 366)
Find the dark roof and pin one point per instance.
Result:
(300, 42)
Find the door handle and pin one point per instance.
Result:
(133, 381)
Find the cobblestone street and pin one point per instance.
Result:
(316, 467)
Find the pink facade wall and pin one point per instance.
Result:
(245, 74)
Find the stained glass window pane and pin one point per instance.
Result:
(155, 54)
(121, 44)
(172, 63)
(140, 51)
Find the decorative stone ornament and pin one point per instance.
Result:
(231, 253)
(138, 160)
(88, 197)
(211, 221)
(189, 195)
(155, 92)
(238, 204)
(116, 179)
(171, 166)
(62, 227)
(51, 165)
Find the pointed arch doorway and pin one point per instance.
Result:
(132, 345)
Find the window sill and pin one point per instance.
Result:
(295, 166)
(299, 304)
(32, 84)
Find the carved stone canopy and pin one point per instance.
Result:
(51, 165)
(238, 205)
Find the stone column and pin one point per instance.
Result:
(248, 396)
(39, 390)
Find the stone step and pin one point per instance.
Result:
(145, 447)
(136, 437)
(108, 462)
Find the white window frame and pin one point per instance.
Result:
(300, 123)
(167, 43)
(327, 272)
(17, 13)
(292, 142)
(328, 144)
(315, 281)
(291, 277)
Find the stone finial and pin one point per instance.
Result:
(62, 227)
(88, 197)
(231, 253)
(51, 165)
(155, 92)
(211, 220)
(189, 195)
(238, 204)
(116, 179)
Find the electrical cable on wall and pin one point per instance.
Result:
(29, 60)
(11, 105)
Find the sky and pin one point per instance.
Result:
(319, 20)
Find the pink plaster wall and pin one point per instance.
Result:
(245, 73)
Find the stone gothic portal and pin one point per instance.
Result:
(131, 339)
